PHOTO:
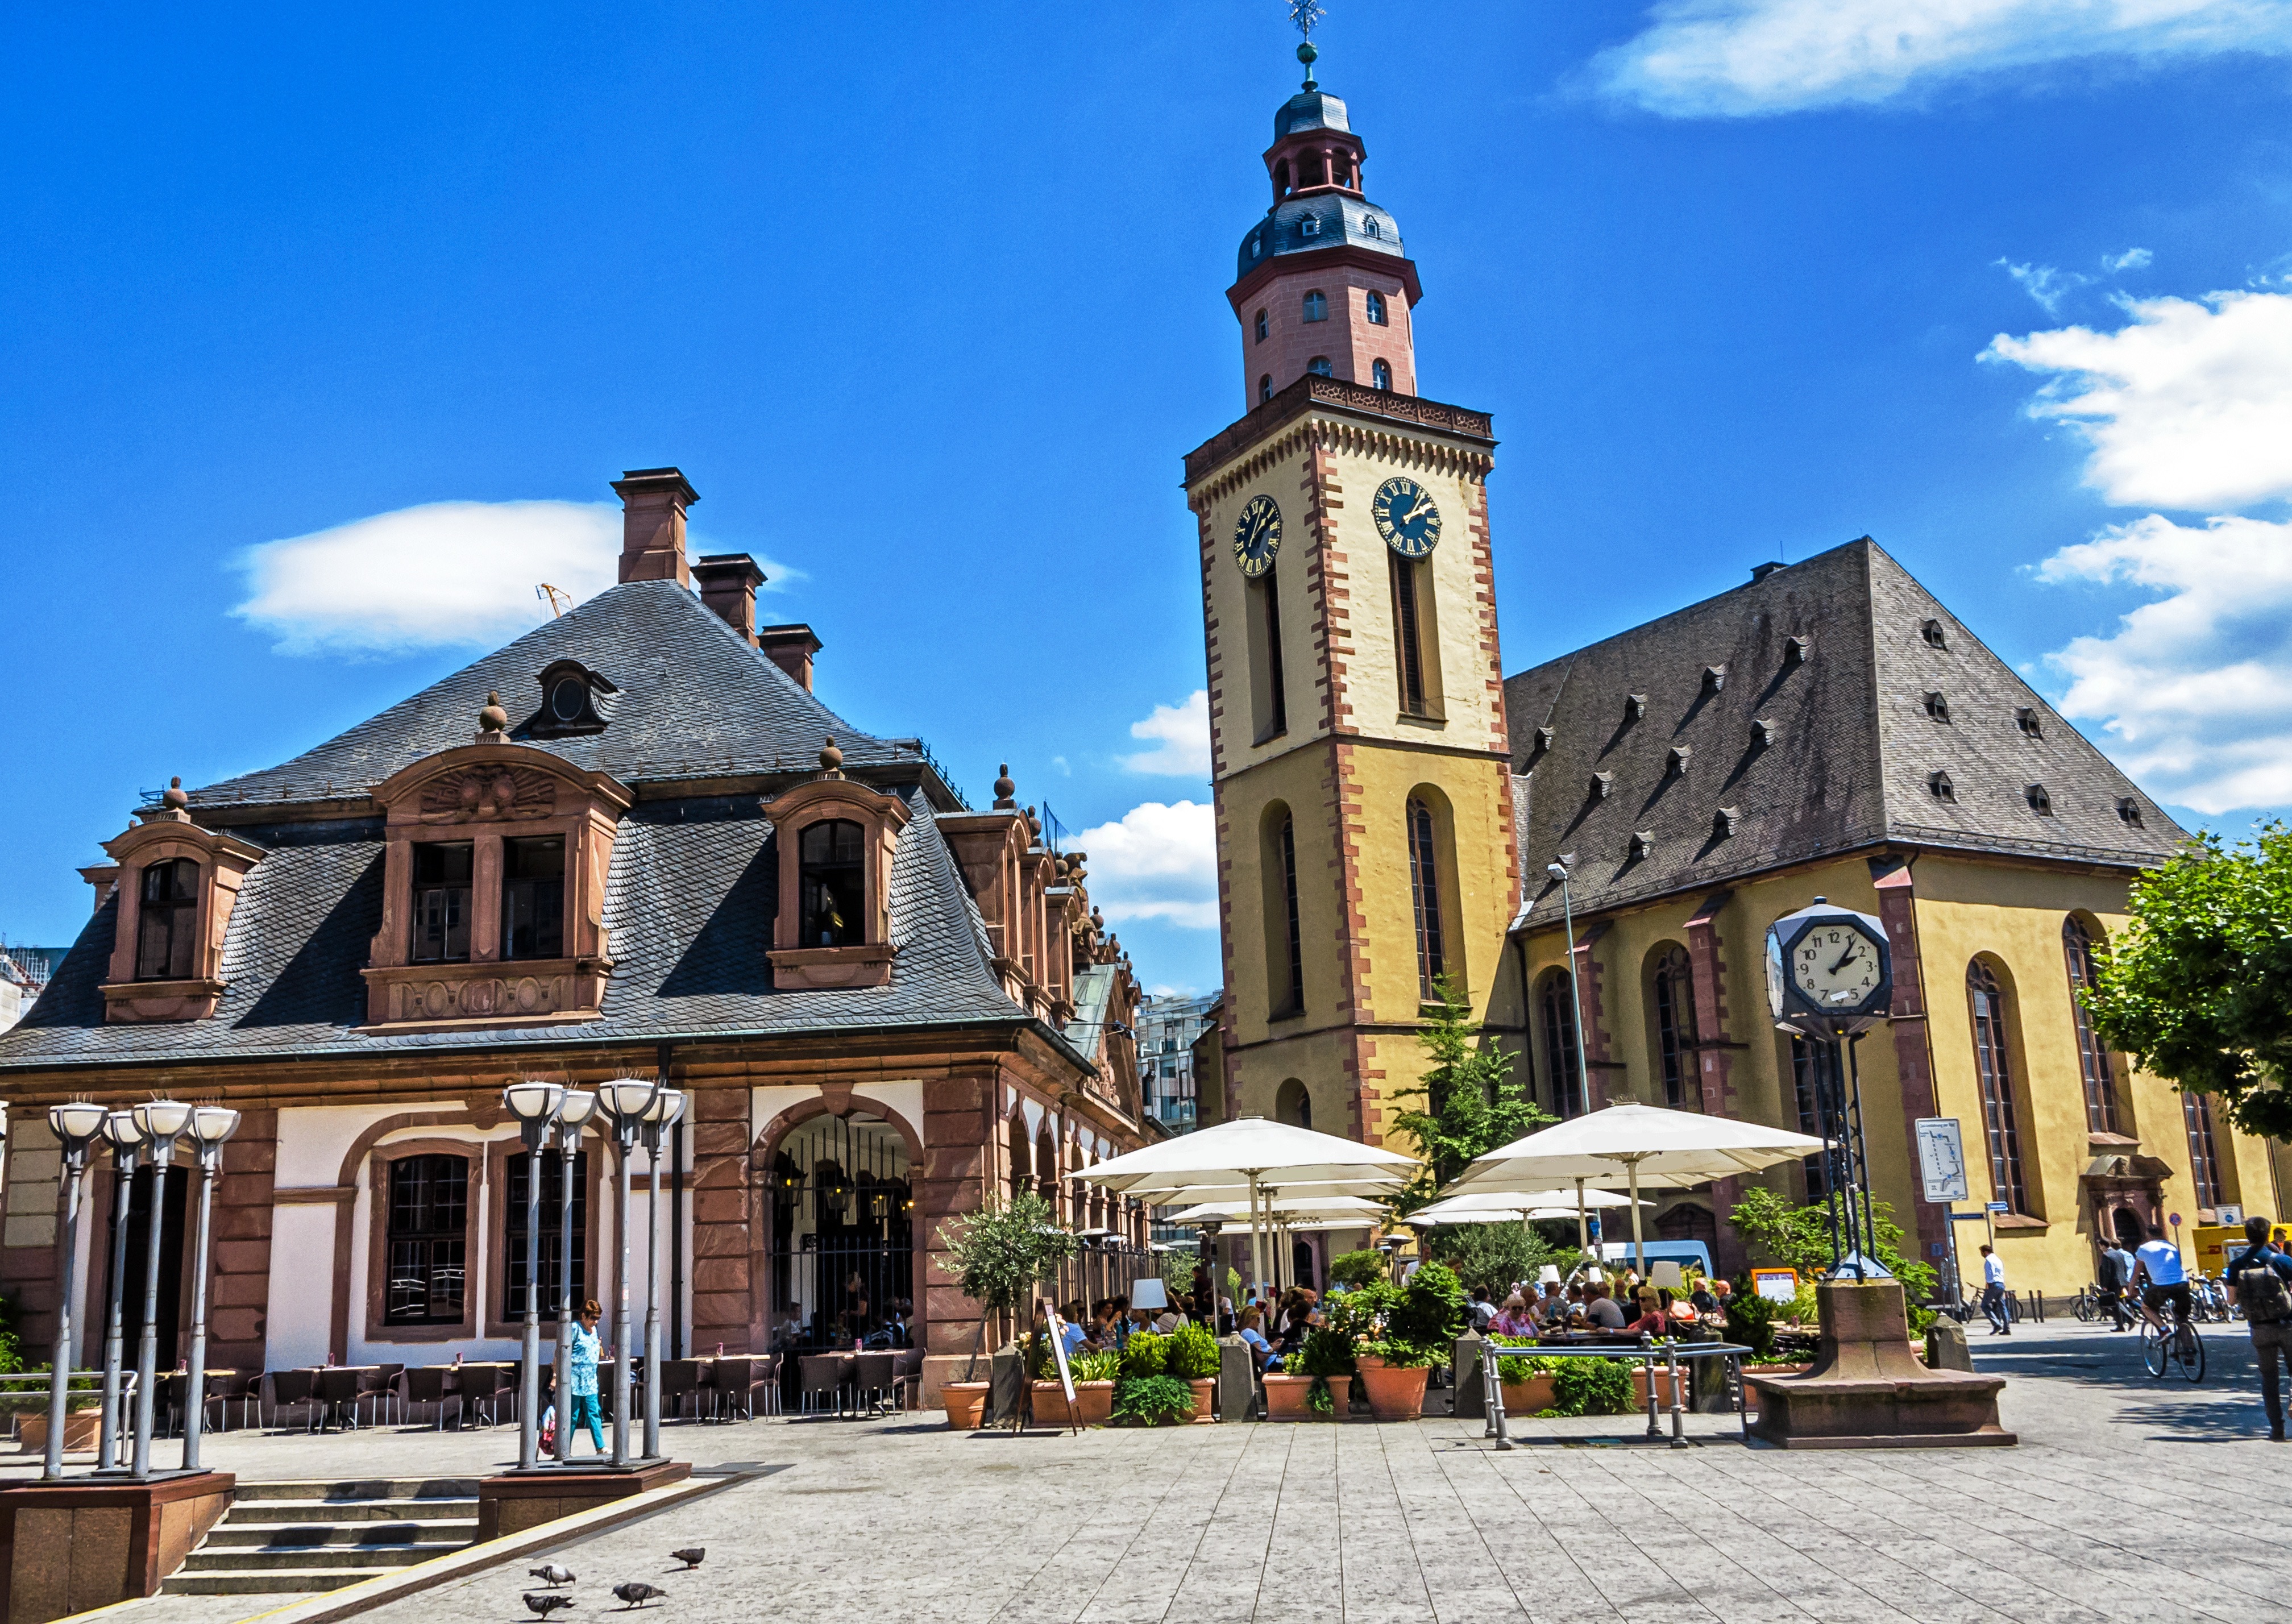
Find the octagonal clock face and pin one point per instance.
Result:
(1835, 967)
(1406, 517)
(1257, 535)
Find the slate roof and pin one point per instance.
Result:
(1853, 743)
(690, 899)
(696, 700)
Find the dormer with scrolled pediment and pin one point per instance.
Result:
(835, 838)
(493, 889)
(177, 885)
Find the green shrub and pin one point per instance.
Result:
(1751, 1322)
(1326, 1353)
(1354, 1270)
(1592, 1387)
(1150, 1401)
(1192, 1354)
(1146, 1353)
(1104, 1366)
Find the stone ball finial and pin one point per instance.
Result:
(493, 718)
(174, 799)
(1005, 788)
(831, 759)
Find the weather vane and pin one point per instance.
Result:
(1307, 15)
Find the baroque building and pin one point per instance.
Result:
(635, 841)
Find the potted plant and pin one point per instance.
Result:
(996, 1255)
(1410, 1329)
(1287, 1396)
(1192, 1358)
(1093, 1376)
(1152, 1401)
(1527, 1379)
(1327, 1357)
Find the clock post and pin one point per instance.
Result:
(1829, 980)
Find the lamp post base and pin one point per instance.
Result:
(69, 1547)
(1870, 1389)
(511, 1502)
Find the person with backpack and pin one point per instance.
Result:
(2115, 1275)
(2260, 1278)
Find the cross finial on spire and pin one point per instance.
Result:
(1307, 15)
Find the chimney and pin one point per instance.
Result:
(728, 586)
(653, 501)
(791, 649)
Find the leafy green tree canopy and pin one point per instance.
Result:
(2198, 984)
(998, 1252)
(1471, 1101)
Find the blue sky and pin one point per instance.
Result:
(928, 303)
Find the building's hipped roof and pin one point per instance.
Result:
(694, 700)
(1851, 752)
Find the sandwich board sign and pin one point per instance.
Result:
(1059, 1353)
(1942, 1159)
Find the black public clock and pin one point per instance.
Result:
(1828, 970)
(1406, 517)
(1256, 535)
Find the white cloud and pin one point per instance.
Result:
(1700, 58)
(2188, 405)
(2048, 285)
(1158, 862)
(2195, 687)
(442, 575)
(2131, 259)
(1181, 736)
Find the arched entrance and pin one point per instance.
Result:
(842, 1260)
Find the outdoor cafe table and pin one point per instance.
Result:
(1647, 1353)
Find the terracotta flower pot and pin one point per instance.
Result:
(1286, 1396)
(1204, 1399)
(80, 1429)
(1395, 1393)
(1531, 1397)
(1051, 1404)
(1670, 1386)
(1095, 1402)
(966, 1403)
(1341, 1398)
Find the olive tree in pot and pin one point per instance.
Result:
(998, 1253)
(1400, 1333)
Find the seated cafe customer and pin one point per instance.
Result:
(1652, 1321)
(1261, 1351)
(1601, 1309)
(1514, 1319)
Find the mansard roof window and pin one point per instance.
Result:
(441, 902)
(1938, 785)
(1935, 636)
(2040, 802)
(573, 701)
(2128, 810)
(532, 898)
(1320, 366)
(830, 863)
(2026, 719)
(1317, 306)
(167, 925)
(1310, 226)
(1937, 706)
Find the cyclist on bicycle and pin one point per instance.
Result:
(2160, 1261)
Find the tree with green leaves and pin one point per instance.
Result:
(1799, 1238)
(998, 1252)
(1496, 1254)
(2198, 984)
(1471, 1101)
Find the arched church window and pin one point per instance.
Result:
(1424, 896)
(1381, 376)
(2204, 1153)
(1265, 387)
(2093, 1054)
(1261, 327)
(1992, 1063)
(1317, 306)
(1320, 366)
(1560, 1044)
(830, 868)
(1284, 940)
(1674, 1028)
(1376, 300)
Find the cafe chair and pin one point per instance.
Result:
(679, 1380)
(235, 1387)
(818, 1373)
(482, 1387)
(734, 1381)
(426, 1385)
(172, 1385)
(338, 1396)
(379, 1389)
(908, 1379)
(293, 1390)
(872, 1378)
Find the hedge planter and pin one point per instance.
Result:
(1341, 1399)
(1531, 1397)
(1395, 1393)
(966, 1403)
(1204, 1389)
(1286, 1396)
(1093, 1402)
(81, 1429)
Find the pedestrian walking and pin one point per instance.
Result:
(1993, 1293)
(2258, 1278)
(2115, 1276)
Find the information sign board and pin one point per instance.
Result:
(1942, 1159)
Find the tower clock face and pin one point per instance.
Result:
(1835, 967)
(1406, 517)
(1256, 535)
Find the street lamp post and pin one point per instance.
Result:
(126, 1142)
(535, 1105)
(624, 1100)
(668, 1109)
(160, 1120)
(573, 1114)
(209, 1126)
(77, 1125)
(1559, 871)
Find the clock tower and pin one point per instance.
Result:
(1359, 755)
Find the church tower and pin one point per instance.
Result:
(1359, 755)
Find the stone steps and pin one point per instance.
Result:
(288, 1537)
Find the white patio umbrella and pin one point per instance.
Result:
(1254, 1153)
(1498, 1205)
(1643, 1146)
(1293, 1210)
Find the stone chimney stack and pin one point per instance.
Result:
(791, 649)
(728, 586)
(653, 501)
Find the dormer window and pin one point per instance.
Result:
(1938, 785)
(2040, 802)
(1715, 678)
(1310, 227)
(1376, 300)
(2128, 812)
(532, 898)
(1634, 706)
(835, 839)
(830, 864)
(1797, 650)
(166, 928)
(571, 701)
(2026, 719)
(1935, 637)
(1602, 783)
(1722, 822)
(1257, 246)
(1371, 226)
(1938, 707)
(441, 902)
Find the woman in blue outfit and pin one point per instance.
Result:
(586, 1350)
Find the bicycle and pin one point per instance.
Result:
(2178, 1348)
(2087, 1303)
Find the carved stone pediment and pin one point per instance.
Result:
(488, 794)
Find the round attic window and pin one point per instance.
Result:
(568, 700)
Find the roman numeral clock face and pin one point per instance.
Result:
(1256, 535)
(1406, 517)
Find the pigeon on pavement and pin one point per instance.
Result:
(552, 1573)
(690, 1555)
(635, 1593)
(546, 1603)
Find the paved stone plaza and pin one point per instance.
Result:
(2125, 1500)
